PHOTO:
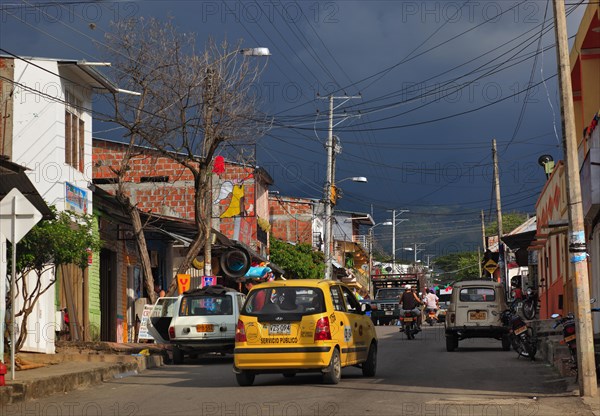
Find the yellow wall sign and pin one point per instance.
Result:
(183, 283)
(490, 266)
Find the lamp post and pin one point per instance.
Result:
(371, 251)
(331, 195)
(416, 250)
(208, 114)
(393, 220)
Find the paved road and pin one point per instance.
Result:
(414, 378)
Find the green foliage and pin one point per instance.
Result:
(459, 266)
(510, 221)
(299, 261)
(468, 266)
(65, 239)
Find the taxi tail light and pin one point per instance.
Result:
(570, 330)
(240, 332)
(322, 330)
(171, 332)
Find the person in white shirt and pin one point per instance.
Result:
(432, 301)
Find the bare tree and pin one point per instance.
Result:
(189, 105)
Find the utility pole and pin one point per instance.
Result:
(370, 259)
(481, 272)
(483, 231)
(393, 241)
(328, 202)
(577, 244)
(329, 190)
(501, 253)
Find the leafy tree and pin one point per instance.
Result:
(510, 221)
(299, 261)
(65, 239)
(459, 266)
(468, 266)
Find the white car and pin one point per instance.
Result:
(474, 312)
(199, 321)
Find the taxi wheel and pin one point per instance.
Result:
(334, 370)
(177, 356)
(369, 367)
(244, 378)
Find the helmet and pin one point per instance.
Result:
(408, 287)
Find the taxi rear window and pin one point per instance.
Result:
(477, 294)
(304, 300)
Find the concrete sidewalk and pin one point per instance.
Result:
(78, 365)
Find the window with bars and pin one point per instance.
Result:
(74, 132)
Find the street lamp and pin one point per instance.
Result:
(394, 215)
(208, 110)
(415, 249)
(331, 195)
(371, 251)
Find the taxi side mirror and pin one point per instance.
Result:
(365, 307)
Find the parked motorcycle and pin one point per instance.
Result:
(409, 324)
(570, 337)
(431, 317)
(520, 335)
(530, 304)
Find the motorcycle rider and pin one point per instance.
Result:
(409, 301)
(432, 302)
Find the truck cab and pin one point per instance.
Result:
(385, 307)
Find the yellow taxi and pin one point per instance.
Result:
(297, 326)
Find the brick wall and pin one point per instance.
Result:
(175, 197)
(291, 219)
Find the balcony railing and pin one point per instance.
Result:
(363, 240)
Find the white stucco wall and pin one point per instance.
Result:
(39, 130)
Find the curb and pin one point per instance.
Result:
(43, 386)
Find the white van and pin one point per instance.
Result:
(200, 320)
(474, 312)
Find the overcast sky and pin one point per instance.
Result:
(438, 81)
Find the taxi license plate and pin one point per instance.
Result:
(477, 316)
(520, 330)
(279, 329)
(389, 312)
(408, 319)
(204, 328)
(571, 338)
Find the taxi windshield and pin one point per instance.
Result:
(305, 300)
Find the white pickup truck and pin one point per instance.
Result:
(199, 321)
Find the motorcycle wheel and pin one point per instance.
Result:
(527, 348)
(529, 310)
(517, 345)
(410, 332)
